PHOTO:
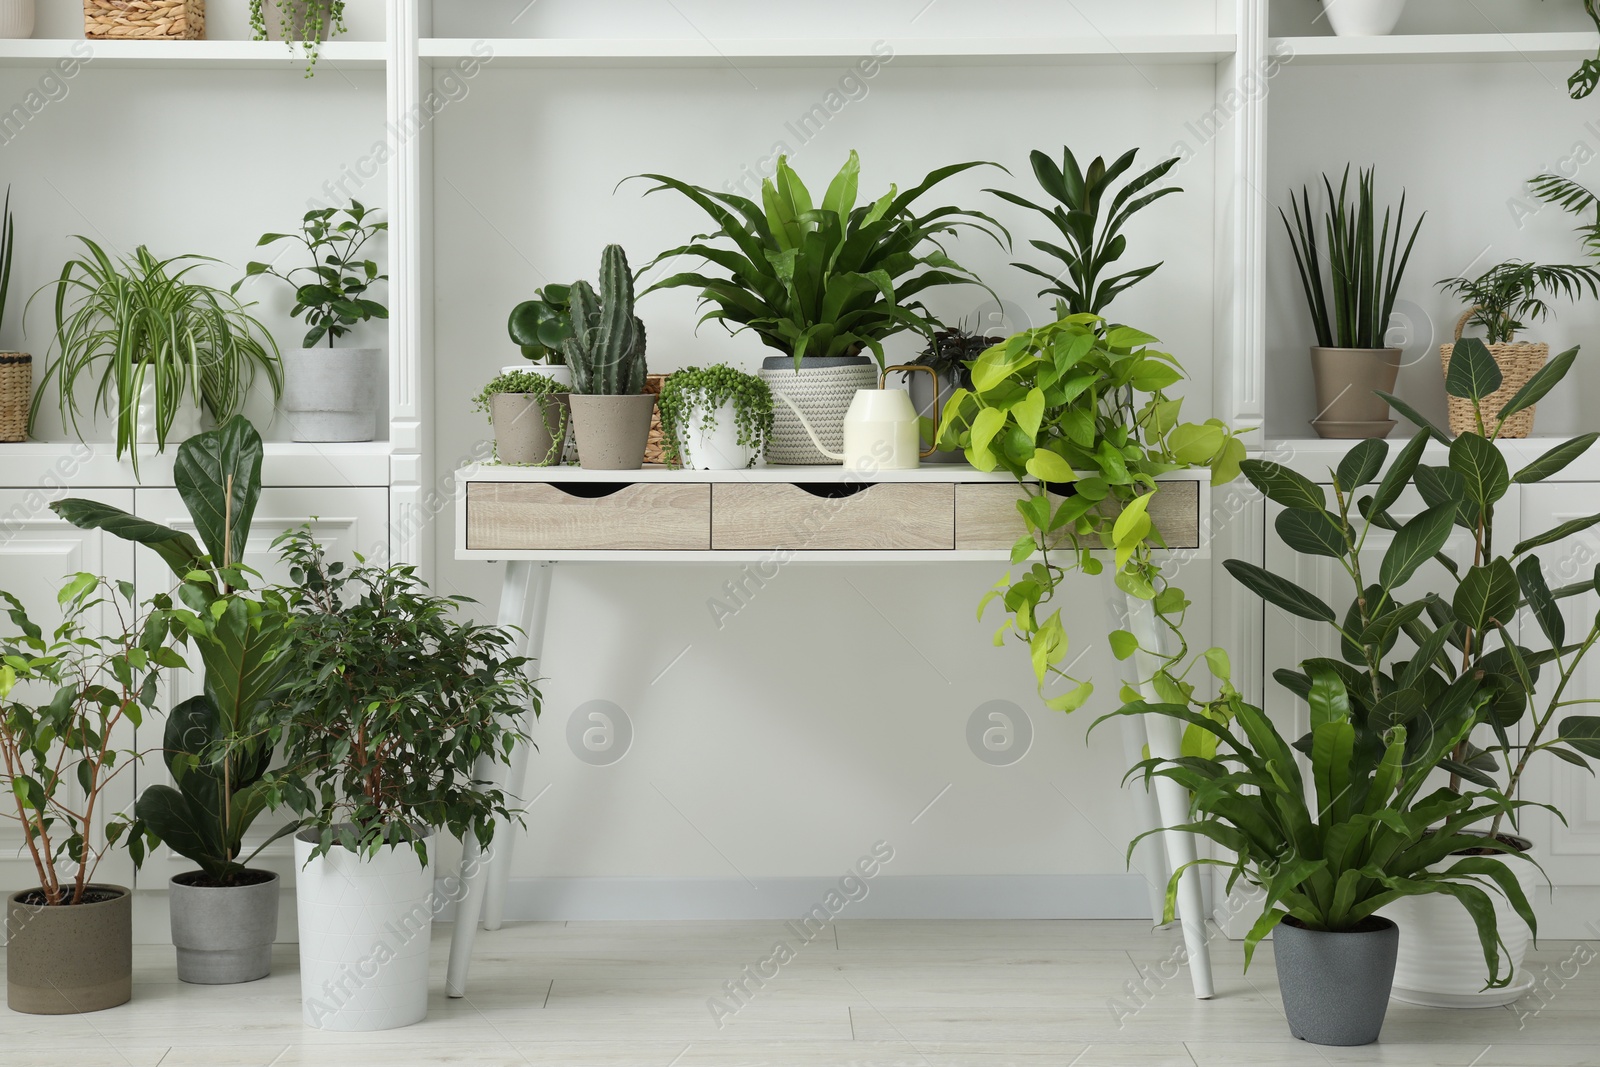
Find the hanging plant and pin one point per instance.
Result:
(307, 23)
(706, 390)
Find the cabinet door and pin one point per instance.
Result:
(38, 550)
(345, 521)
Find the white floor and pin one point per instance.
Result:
(886, 994)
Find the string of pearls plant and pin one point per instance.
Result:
(706, 389)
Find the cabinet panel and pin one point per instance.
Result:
(588, 515)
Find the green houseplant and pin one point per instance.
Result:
(1351, 306)
(393, 717)
(224, 915)
(156, 344)
(539, 327)
(529, 412)
(715, 418)
(822, 283)
(307, 23)
(331, 392)
(606, 355)
(949, 356)
(67, 704)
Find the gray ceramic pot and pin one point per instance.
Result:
(1347, 381)
(612, 431)
(70, 959)
(1335, 986)
(223, 935)
(331, 394)
(529, 429)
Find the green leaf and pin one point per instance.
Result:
(1420, 420)
(1544, 606)
(1361, 464)
(1314, 533)
(1555, 533)
(1556, 459)
(1047, 466)
(1278, 591)
(1195, 443)
(1482, 466)
(178, 550)
(1414, 544)
(1217, 663)
(1029, 412)
(1329, 701)
(1399, 474)
(1123, 644)
(218, 475)
(1487, 595)
(1284, 486)
(1544, 379)
(1473, 373)
(1582, 733)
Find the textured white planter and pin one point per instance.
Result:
(364, 929)
(16, 19)
(1363, 18)
(559, 373)
(1440, 964)
(331, 394)
(185, 423)
(717, 449)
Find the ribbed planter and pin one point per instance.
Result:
(1335, 986)
(223, 934)
(822, 388)
(331, 394)
(1363, 18)
(364, 930)
(717, 448)
(185, 421)
(70, 959)
(529, 429)
(612, 431)
(1347, 381)
(16, 19)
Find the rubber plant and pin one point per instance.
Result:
(706, 390)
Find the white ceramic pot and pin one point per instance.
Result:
(716, 448)
(331, 394)
(1440, 964)
(185, 421)
(559, 373)
(16, 19)
(1363, 18)
(364, 930)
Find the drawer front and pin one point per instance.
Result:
(987, 519)
(885, 516)
(640, 517)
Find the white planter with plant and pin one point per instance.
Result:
(331, 393)
(391, 702)
(1363, 18)
(16, 19)
(531, 415)
(715, 418)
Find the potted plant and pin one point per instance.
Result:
(947, 358)
(716, 418)
(539, 327)
(307, 23)
(611, 412)
(1416, 652)
(1351, 309)
(1363, 18)
(331, 393)
(224, 915)
(391, 703)
(16, 368)
(529, 412)
(157, 345)
(1503, 300)
(821, 284)
(67, 704)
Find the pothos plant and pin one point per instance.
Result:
(707, 389)
(306, 22)
(1079, 413)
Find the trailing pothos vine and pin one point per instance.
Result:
(1078, 412)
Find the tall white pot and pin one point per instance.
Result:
(364, 929)
(16, 19)
(331, 394)
(1363, 18)
(1440, 964)
(716, 448)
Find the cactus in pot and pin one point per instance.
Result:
(610, 409)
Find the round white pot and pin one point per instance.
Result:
(364, 929)
(16, 19)
(559, 373)
(185, 422)
(1440, 964)
(331, 394)
(717, 448)
(1363, 18)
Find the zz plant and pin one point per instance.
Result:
(706, 390)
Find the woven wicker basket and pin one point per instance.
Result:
(144, 20)
(16, 386)
(1517, 363)
(654, 449)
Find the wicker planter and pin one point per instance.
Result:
(1517, 363)
(655, 447)
(16, 386)
(144, 20)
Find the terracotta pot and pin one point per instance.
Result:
(1347, 381)
(69, 959)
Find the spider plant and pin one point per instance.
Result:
(1364, 265)
(123, 324)
(1505, 295)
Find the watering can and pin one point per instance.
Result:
(881, 428)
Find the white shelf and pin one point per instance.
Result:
(703, 52)
(197, 54)
(1439, 48)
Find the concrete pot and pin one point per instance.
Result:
(66, 960)
(272, 12)
(16, 19)
(331, 394)
(1335, 986)
(716, 448)
(364, 930)
(1347, 380)
(529, 429)
(1363, 18)
(223, 934)
(822, 388)
(612, 431)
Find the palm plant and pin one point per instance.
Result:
(1365, 266)
(823, 280)
(143, 320)
(1506, 297)
(1093, 242)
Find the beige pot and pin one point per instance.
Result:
(1347, 381)
(529, 429)
(612, 431)
(69, 959)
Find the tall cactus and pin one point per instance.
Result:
(606, 351)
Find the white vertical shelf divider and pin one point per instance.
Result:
(1242, 89)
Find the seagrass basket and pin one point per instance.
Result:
(1517, 362)
(16, 386)
(654, 449)
(144, 20)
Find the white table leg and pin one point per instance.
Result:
(1151, 859)
(475, 863)
(494, 900)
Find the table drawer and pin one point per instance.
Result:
(987, 519)
(821, 516)
(577, 516)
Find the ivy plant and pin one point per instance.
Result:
(706, 389)
(334, 297)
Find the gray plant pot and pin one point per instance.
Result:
(922, 398)
(1335, 986)
(530, 429)
(612, 431)
(331, 394)
(1347, 381)
(223, 935)
(70, 959)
